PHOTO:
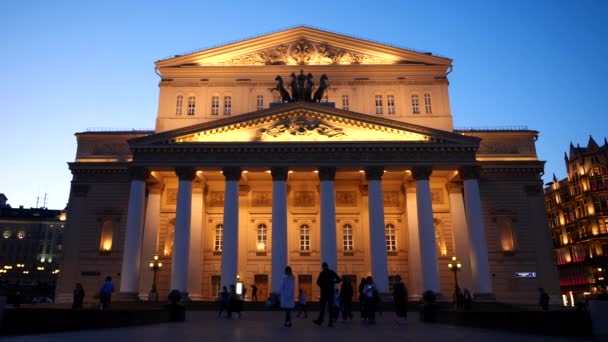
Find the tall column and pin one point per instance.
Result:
(181, 235)
(461, 234)
(328, 217)
(377, 232)
(482, 283)
(426, 229)
(413, 252)
(195, 255)
(135, 220)
(231, 226)
(150, 240)
(279, 225)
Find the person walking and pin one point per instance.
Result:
(543, 299)
(346, 296)
(224, 300)
(287, 290)
(371, 299)
(78, 296)
(467, 300)
(362, 308)
(302, 304)
(400, 298)
(105, 293)
(326, 281)
(254, 293)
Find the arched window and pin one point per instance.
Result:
(390, 104)
(347, 237)
(391, 240)
(179, 104)
(107, 232)
(345, 102)
(427, 103)
(505, 227)
(215, 105)
(218, 240)
(304, 238)
(259, 102)
(227, 105)
(262, 240)
(191, 105)
(379, 104)
(415, 104)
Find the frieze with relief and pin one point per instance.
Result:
(299, 126)
(305, 52)
(346, 198)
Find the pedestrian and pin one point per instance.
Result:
(326, 282)
(362, 299)
(400, 298)
(346, 296)
(302, 304)
(458, 298)
(235, 304)
(287, 290)
(105, 293)
(223, 300)
(371, 299)
(543, 299)
(467, 299)
(254, 293)
(78, 296)
(244, 293)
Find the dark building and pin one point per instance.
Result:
(577, 208)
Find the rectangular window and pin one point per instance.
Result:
(262, 237)
(179, 105)
(345, 102)
(390, 103)
(391, 244)
(227, 105)
(415, 104)
(259, 102)
(379, 105)
(427, 104)
(216, 283)
(215, 105)
(219, 238)
(347, 236)
(304, 238)
(191, 105)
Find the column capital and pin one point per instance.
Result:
(470, 172)
(454, 187)
(279, 173)
(422, 172)
(374, 172)
(327, 173)
(138, 173)
(232, 173)
(185, 173)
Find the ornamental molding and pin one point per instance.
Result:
(299, 126)
(305, 52)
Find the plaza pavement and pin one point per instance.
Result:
(268, 327)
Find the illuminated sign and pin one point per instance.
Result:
(525, 274)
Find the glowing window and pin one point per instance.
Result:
(390, 104)
(262, 240)
(347, 236)
(427, 104)
(507, 242)
(345, 102)
(107, 232)
(379, 105)
(218, 240)
(415, 104)
(391, 240)
(215, 105)
(179, 104)
(304, 238)
(227, 105)
(191, 105)
(259, 102)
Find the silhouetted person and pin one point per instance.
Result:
(224, 300)
(287, 289)
(105, 293)
(326, 281)
(543, 299)
(400, 298)
(467, 299)
(78, 297)
(346, 297)
(302, 304)
(254, 293)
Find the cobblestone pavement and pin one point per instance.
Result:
(268, 327)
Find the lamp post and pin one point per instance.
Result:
(455, 266)
(155, 265)
(19, 271)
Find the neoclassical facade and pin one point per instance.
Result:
(236, 182)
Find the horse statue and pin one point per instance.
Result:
(308, 88)
(323, 86)
(284, 93)
(294, 86)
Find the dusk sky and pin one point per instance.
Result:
(69, 66)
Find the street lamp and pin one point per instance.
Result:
(19, 271)
(455, 266)
(155, 265)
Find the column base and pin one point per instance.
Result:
(484, 297)
(127, 297)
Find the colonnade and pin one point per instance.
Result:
(469, 232)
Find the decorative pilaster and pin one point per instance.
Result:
(477, 236)
(231, 226)
(328, 217)
(181, 236)
(376, 228)
(426, 229)
(132, 248)
(279, 226)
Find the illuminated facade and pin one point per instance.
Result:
(374, 179)
(577, 209)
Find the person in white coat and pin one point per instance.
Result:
(287, 291)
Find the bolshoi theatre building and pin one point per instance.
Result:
(301, 147)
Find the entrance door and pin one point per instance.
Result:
(261, 282)
(305, 283)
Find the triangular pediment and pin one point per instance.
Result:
(305, 122)
(302, 46)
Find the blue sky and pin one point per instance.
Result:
(68, 66)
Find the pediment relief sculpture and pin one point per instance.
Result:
(298, 127)
(305, 52)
